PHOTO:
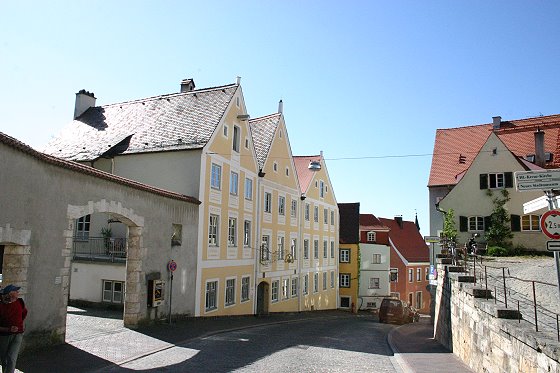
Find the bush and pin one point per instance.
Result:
(498, 251)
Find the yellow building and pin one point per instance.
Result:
(349, 255)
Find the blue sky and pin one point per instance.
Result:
(366, 82)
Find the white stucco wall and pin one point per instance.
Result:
(368, 270)
(87, 279)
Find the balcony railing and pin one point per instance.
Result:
(100, 248)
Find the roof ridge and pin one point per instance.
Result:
(265, 117)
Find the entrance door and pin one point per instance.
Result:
(262, 299)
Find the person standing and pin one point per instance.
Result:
(12, 315)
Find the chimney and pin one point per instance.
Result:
(238, 81)
(280, 107)
(398, 219)
(84, 100)
(496, 122)
(187, 85)
(539, 148)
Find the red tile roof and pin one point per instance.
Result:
(517, 135)
(304, 174)
(407, 240)
(370, 222)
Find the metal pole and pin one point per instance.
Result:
(557, 328)
(170, 294)
(535, 306)
(518, 313)
(474, 268)
(486, 282)
(505, 290)
(550, 198)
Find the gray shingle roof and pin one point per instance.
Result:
(262, 131)
(168, 122)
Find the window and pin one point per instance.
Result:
(371, 236)
(332, 217)
(274, 293)
(325, 249)
(267, 202)
(177, 236)
(344, 302)
(344, 255)
(82, 227)
(325, 216)
(247, 233)
(236, 138)
(248, 189)
(113, 291)
(410, 275)
(305, 249)
(376, 259)
(293, 248)
(275, 167)
(294, 287)
(246, 143)
(233, 183)
(315, 282)
(265, 248)
(211, 295)
(225, 131)
(332, 249)
(287, 171)
(245, 283)
(410, 298)
(230, 291)
(232, 232)
(324, 280)
(476, 223)
(285, 288)
(216, 180)
(315, 249)
(281, 205)
(496, 180)
(213, 230)
(316, 214)
(322, 188)
(394, 275)
(530, 223)
(281, 248)
(418, 274)
(418, 304)
(293, 212)
(374, 283)
(344, 280)
(305, 284)
(307, 212)
(332, 279)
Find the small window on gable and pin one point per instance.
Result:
(225, 131)
(237, 101)
(246, 143)
(371, 236)
(316, 184)
(275, 167)
(287, 171)
(548, 157)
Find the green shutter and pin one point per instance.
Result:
(509, 179)
(515, 223)
(487, 222)
(483, 181)
(463, 223)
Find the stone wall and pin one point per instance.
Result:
(485, 335)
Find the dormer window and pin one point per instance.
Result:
(371, 236)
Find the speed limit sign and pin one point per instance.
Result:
(550, 224)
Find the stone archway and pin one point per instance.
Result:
(262, 298)
(134, 264)
(17, 251)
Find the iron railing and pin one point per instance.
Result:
(99, 248)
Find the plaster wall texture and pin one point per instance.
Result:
(469, 327)
(42, 198)
(87, 279)
(369, 269)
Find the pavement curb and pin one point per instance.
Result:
(397, 355)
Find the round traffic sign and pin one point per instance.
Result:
(172, 266)
(550, 224)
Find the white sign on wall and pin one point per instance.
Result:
(537, 180)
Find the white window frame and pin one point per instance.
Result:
(324, 280)
(344, 280)
(286, 288)
(280, 241)
(344, 255)
(305, 249)
(316, 214)
(113, 295)
(236, 139)
(332, 249)
(247, 233)
(234, 183)
(213, 230)
(315, 249)
(83, 225)
(496, 180)
(316, 282)
(332, 217)
(530, 223)
(245, 286)
(325, 249)
(476, 224)
(376, 259)
(274, 291)
(307, 212)
(294, 286)
(371, 236)
(265, 247)
(293, 248)
(332, 279)
(248, 189)
(267, 202)
(325, 216)
(322, 189)
(216, 177)
(211, 295)
(229, 294)
(232, 232)
(293, 212)
(281, 205)
(410, 275)
(305, 284)
(373, 283)
(418, 274)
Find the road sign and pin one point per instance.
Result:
(539, 203)
(172, 266)
(537, 180)
(550, 224)
(431, 239)
(553, 245)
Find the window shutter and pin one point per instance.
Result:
(483, 181)
(463, 224)
(509, 179)
(515, 223)
(487, 222)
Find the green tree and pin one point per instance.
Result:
(499, 232)
(449, 230)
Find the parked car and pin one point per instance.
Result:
(394, 310)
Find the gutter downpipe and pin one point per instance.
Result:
(300, 253)
(257, 240)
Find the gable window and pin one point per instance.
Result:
(322, 189)
(275, 167)
(376, 259)
(345, 280)
(82, 227)
(293, 211)
(267, 202)
(530, 223)
(371, 236)
(287, 171)
(225, 131)
(281, 205)
(246, 143)
(496, 180)
(305, 249)
(236, 138)
(476, 223)
(344, 255)
(233, 183)
(316, 214)
(245, 288)
(216, 179)
(374, 283)
(232, 232)
(247, 233)
(230, 292)
(248, 189)
(307, 211)
(213, 230)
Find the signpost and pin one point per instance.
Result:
(537, 180)
(171, 267)
(539, 203)
(553, 246)
(432, 240)
(550, 224)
